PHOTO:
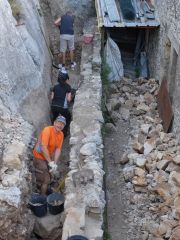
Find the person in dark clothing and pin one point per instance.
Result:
(61, 96)
(66, 26)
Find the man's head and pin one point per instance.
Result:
(69, 13)
(63, 77)
(59, 123)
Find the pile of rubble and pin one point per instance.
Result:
(15, 135)
(151, 163)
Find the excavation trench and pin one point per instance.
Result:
(141, 162)
(83, 80)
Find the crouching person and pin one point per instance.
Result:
(47, 152)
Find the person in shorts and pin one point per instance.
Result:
(47, 152)
(66, 26)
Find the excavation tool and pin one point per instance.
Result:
(60, 185)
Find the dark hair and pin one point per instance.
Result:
(62, 77)
(68, 13)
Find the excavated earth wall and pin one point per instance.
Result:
(24, 83)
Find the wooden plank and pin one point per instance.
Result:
(164, 106)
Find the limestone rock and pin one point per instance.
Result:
(148, 98)
(149, 145)
(176, 160)
(88, 149)
(139, 181)
(10, 180)
(143, 107)
(139, 172)
(163, 190)
(115, 116)
(128, 173)
(175, 234)
(11, 196)
(140, 161)
(145, 128)
(129, 104)
(115, 104)
(124, 159)
(75, 220)
(49, 227)
(124, 113)
(11, 156)
(174, 178)
(162, 164)
(138, 147)
(140, 189)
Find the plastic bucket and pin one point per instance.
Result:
(88, 38)
(55, 203)
(38, 205)
(77, 237)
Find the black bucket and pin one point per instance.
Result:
(77, 237)
(38, 205)
(55, 203)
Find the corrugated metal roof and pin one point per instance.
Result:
(109, 14)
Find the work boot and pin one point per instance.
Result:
(62, 68)
(73, 64)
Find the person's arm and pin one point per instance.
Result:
(68, 97)
(52, 95)
(57, 155)
(57, 22)
(45, 153)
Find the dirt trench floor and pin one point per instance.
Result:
(114, 145)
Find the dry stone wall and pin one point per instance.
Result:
(84, 195)
(164, 46)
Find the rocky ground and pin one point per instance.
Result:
(143, 173)
(15, 135)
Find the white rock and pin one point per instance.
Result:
(48, 226)
(11, 155)
(10, 180)
(11, 196)
(177, 159)
(140, 161)
(149, 145)
(88, 149)
(145, 128)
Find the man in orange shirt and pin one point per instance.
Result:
(47, 152)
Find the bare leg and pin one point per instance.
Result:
(72, 56)
(44, 188)
(60, 56)
(64, 58)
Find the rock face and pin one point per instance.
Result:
(24, 83)
(25, 63)
(85, 202)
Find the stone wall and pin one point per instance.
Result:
(24, 83)
(163, 51)
(84, 195)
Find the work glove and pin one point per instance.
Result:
(52, 167)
